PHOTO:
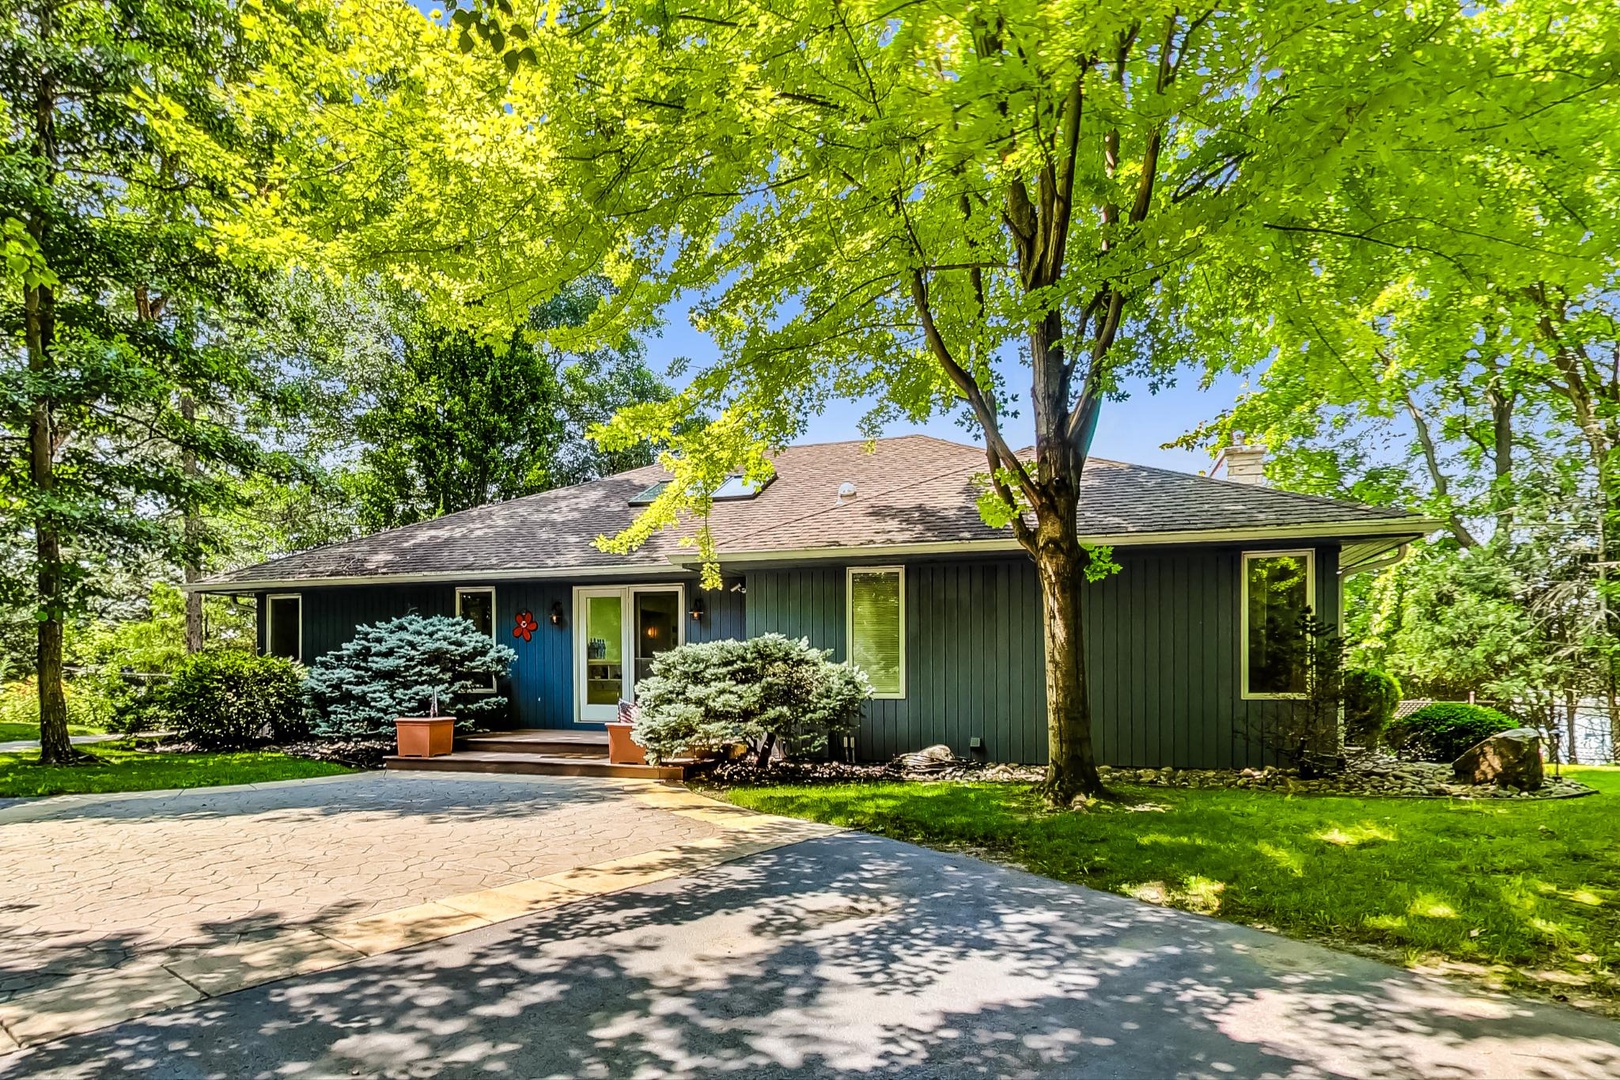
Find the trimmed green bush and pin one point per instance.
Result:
(1370, 698)
(1443, 730)
(763, 692)
(397, 668)
(231, 699)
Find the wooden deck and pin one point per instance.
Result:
(536, 752)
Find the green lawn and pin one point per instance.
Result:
(11, 731)
(121, 769)
(1517, 893)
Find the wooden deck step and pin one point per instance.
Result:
(489, 744)
(531, 764)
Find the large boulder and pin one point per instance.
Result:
(1507, 759)
(930, 759)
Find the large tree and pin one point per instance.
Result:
(894, 204)
(1446, 338)
(115, 368)
(461, 421)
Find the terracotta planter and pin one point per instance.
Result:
(425, 736)
(622, 749)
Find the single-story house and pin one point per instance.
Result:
(876, 551)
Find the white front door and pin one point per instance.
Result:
(617, 632)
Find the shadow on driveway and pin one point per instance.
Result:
(853, 954)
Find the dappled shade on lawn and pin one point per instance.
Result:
(1524, 893)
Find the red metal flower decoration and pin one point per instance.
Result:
(526, 625)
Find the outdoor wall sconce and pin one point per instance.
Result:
(556, 615)
(697, 609)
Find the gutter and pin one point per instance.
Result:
(1377, 562)
(1401, 529)
(459, 577)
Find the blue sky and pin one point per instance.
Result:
(1133, 430)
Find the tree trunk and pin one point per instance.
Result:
(1572, 752)
(1612, 701)
(1060, 565)
(54, 745)
(193, 533)
(1502, 402)
(39, 311)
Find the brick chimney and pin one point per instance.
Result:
(1245, 464)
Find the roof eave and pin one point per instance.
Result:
(1407, 528)
(469, 577)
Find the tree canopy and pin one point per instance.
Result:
(886, 205)
(119, 380)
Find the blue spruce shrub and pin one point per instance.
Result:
(396, 668)
(231, 699)
(763, 692)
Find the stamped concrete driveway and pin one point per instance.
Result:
(112, 906)
(850, 955)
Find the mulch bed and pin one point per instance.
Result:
(353, 753)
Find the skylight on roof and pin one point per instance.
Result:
(646, 497)
(734, 489)
(738, 487)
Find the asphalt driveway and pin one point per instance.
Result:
(851, 954)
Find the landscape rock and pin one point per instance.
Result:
(929, 759)
(1506, 759)
(1366, 773)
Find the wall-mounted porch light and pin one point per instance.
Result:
(697, 609)
(556, 615)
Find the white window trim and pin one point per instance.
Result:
(627, 596)
(849, 621)
(490, 589)
(1306, 554)
(270, 625)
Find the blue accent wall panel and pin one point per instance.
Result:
(540, 690)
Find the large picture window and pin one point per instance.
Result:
(1278, 590)
(877, 627)
(284, 626)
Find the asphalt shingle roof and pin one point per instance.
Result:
(910, 490)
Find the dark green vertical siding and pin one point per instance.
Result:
(1163, 649)
(1161, 645)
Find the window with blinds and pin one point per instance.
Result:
(877, 620)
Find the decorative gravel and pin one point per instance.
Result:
(1366, 774)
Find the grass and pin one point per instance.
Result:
(119, 768)
(13, 731)
(1521, 894)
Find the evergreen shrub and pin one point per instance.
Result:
(765, 692)
(1370, 698)
(398, 668)
(1443, 730)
